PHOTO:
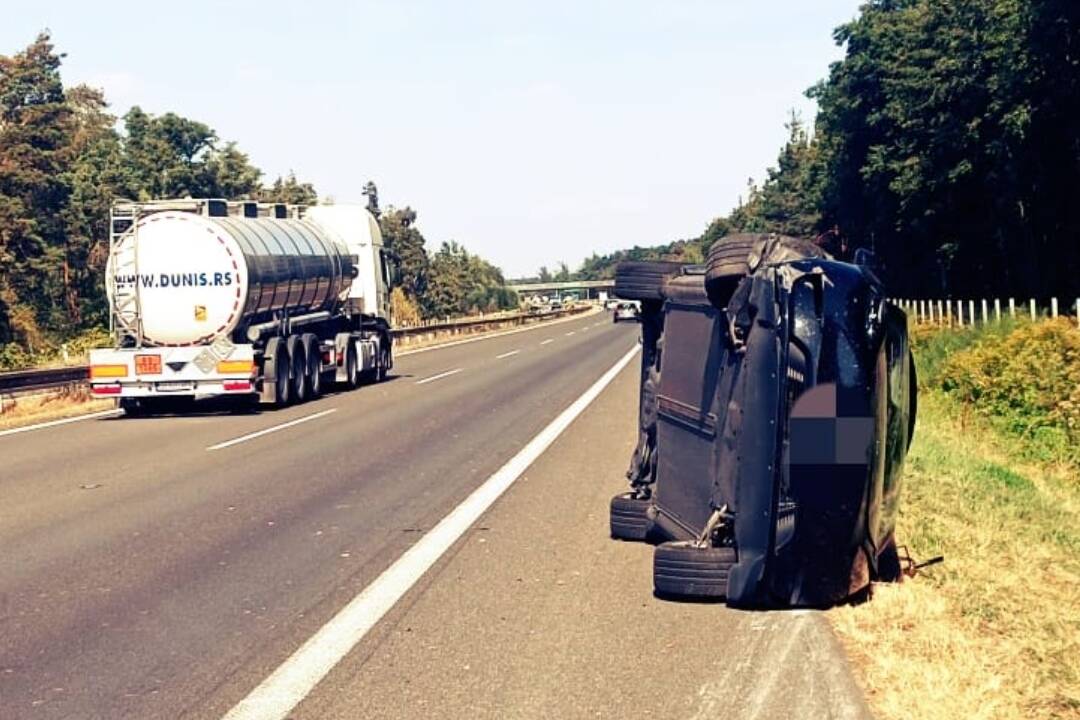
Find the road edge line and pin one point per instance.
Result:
(276, 696)
(61, 421)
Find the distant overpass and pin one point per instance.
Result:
(583, 288)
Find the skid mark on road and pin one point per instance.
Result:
(293, 680)
(440, 376)
(274, 429)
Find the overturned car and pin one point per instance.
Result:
(777, 405)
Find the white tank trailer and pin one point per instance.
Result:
(264, 301)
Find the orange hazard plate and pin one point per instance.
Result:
(147, 364)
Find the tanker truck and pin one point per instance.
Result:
(268, 303)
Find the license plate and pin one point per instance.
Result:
(177, 386)
(147, 364)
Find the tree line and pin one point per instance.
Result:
(947, 140)
(450, 281)
(64, 159)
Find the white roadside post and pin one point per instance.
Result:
(985, 315)
(1031, 305)
(940, 313)
(1012, 308)
(960, 313)
(971, 312)
(997, 310)
(1053, 308)
(948, 311)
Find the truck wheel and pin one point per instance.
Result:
(352, 367)
(135, 407)
(313, 353)
(299, 366)
(728, 262)
(629, 520)
(682, 569)
(644, 280)
(276, 360)
(386, 359)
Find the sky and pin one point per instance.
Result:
(532, 133)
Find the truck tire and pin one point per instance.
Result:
(352, 367)
(276, 367)
(298, 372)
(386, 360)
(629, 520)
(313, 354)
(682, 569)
(728, 262)
(136, 407)
(644, 280)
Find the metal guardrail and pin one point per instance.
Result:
(42, 379)
(21, 381)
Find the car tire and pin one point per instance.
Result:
(629, 517)
(685, 570)
(728, 262)
(644, 280)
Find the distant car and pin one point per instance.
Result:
(626, 311)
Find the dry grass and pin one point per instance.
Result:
(68, 402)
(995, 631)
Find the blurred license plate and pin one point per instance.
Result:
(147, 364)
(177, 386)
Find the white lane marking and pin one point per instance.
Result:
(294, 679)
(548, 341)
(440, 376)
(487, 336)
(273, 429)
(569, 333)
(507, 354)
(64, 421)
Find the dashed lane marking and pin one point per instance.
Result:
(440, 376)
(273, 429)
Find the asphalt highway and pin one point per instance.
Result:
(165, 567)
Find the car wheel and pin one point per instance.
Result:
(728, 262)
(683, 569)
(644, 280)
(629, 518)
